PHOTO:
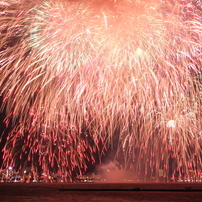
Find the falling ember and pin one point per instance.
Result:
(78, 75)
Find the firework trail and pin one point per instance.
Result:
(75, 75)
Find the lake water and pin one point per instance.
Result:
(105, 192)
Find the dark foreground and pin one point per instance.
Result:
(119, 192)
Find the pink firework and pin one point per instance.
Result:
(76, 75)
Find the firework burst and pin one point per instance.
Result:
(75, 75)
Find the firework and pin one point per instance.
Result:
(76, 75)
